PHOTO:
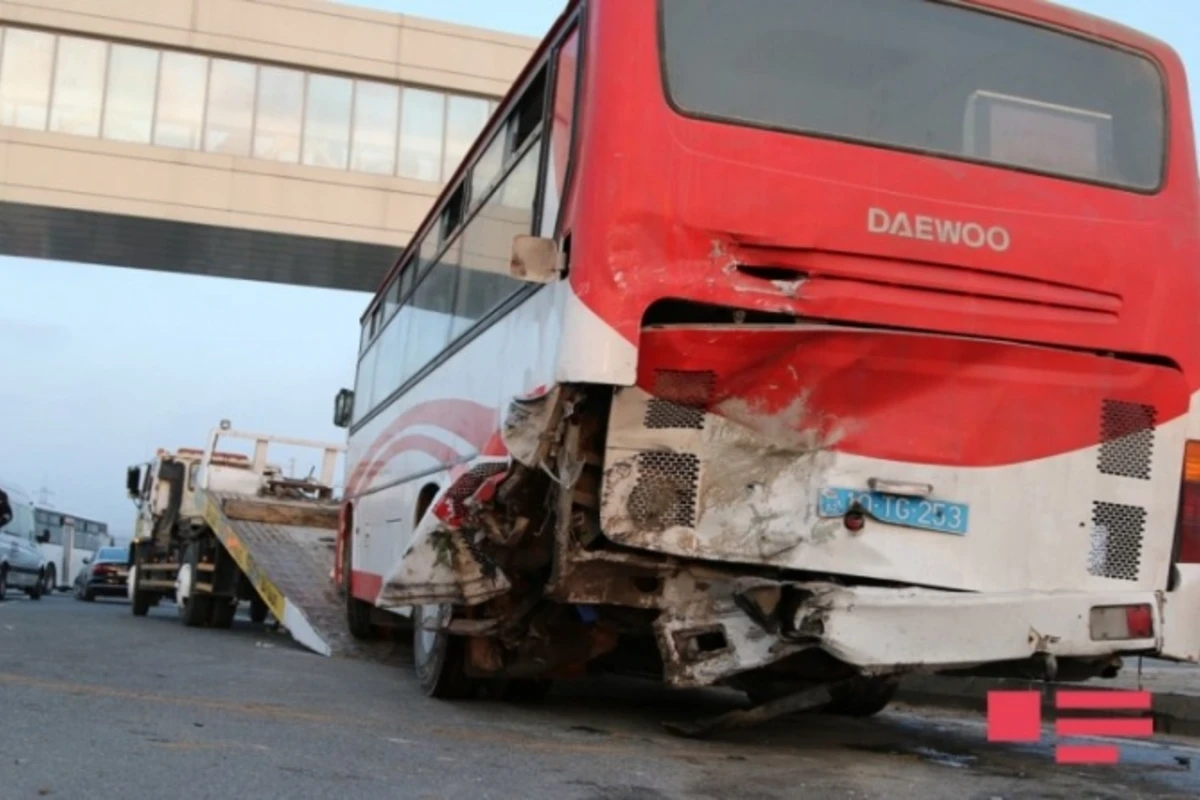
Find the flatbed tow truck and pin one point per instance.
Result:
(215, 528)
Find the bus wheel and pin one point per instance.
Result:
(439, 659)
(193, 608)
(358, 612)
(258, 610)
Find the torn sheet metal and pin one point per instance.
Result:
(730, 486)
(443, 563)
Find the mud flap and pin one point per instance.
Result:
(1181, 617)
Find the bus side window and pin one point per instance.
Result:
(562, 131)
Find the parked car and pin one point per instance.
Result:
(21, 563)
(107, 574)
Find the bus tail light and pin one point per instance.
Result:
(1122, 622)
(1187, 533)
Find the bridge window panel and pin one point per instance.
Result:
(422, 123)
(229, 122)
(79, 71)
(182, 83)
(129, 100)
(25, 68)
(279, 117)
(432, 314)
(376, 123)
(465, 118)
(327, 121)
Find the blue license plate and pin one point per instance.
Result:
(911, 512)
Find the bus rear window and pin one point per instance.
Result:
(921, 75)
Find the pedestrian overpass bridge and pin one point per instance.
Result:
(293, 141)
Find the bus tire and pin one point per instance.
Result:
(193, 609)
(358, 612)
(440, 660)
(258, 610)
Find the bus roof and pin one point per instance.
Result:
(1049, 13)
(522, 78)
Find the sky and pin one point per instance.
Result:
(103, 365)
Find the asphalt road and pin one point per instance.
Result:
(95, 702)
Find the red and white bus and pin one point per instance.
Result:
(795, 343)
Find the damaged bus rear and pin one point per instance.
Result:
(822, 342)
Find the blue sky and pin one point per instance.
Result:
(91, 384)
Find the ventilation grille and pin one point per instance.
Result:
(665, 493)
(1116, 541)
(679, 399)
(1126, 439)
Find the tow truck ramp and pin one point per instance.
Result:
(285, 549)
(220, 526)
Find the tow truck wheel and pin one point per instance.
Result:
(258, 610)
(440, 659)
(139, 601)
(35, 592)
(51, 582)
(193, 608)
(223, 610)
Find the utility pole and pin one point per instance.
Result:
(44, 495)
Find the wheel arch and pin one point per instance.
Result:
(425, 498)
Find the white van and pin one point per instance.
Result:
(21, 563)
